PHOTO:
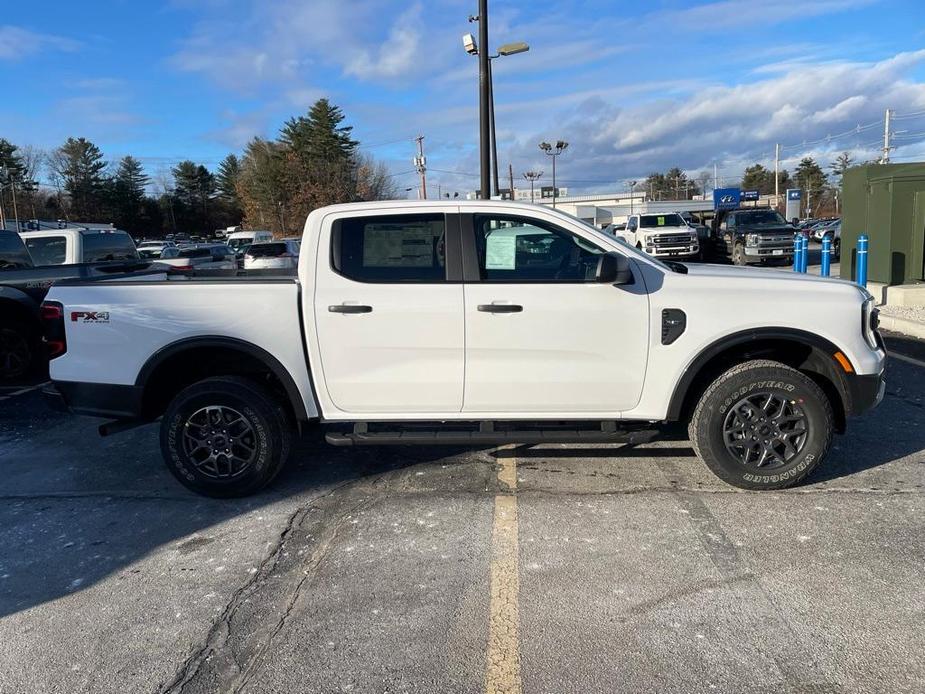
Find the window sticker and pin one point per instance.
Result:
(661, 221)
(501, 251)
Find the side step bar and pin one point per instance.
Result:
(450, 437)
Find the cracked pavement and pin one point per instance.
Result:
(370, 570)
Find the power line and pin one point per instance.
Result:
(829, 138)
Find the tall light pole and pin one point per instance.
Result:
(554, 151)
(532, 176)
(632, 185)
(472, 48)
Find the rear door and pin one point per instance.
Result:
(542, 337)
(388, 310)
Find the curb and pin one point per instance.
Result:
(903, 325)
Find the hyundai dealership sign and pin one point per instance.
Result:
(726, 198)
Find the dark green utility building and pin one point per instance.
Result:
(886, 202)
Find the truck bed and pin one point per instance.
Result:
(137, 318)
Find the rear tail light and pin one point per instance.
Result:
(182, 267)
(53, 323)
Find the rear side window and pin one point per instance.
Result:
(267, 250)
(107, 246)
(394, 248)
(47, 250)
(13, 253)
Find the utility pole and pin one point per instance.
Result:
(532, 176)
(885, 159)
(484, 97)
(420, 163)
(777, 176)
(510, 174)
(715, 177)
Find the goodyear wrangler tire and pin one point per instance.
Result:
(762, 425)
(225, 437)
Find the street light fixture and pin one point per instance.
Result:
(532, 176)
(472, 48)
(554, 151)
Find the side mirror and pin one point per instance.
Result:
(632, 226)
(613, 268)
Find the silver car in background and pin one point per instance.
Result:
(204, 259)
(279, 256)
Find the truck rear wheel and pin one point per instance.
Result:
(762, 425)
(225, 437)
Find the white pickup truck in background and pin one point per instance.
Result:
(661, 235)
(474, 323)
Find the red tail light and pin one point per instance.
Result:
(53, 322)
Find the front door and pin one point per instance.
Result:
(389, 319)
(542, 337)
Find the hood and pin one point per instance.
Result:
(735, 272)
(762, 229)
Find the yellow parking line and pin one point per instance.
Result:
(502, 671)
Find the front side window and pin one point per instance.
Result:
(512, 249)
(13, 254)
(393, 248)
(47, 250)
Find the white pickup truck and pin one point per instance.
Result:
(662, 235)
(474, 323)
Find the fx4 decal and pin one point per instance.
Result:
(89, 316)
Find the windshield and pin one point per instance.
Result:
(760, 217)
(610, 239)
(661, 220)
(241, 243)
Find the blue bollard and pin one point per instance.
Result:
(826, 267)
(862, 260)
(804, 252)
(797, 251)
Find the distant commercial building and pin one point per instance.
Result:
(602, 209)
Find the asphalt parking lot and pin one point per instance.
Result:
(538, 568)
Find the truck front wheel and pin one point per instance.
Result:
(225, 437)
(738, 255)
(762, 425)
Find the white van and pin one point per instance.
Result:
(240, 240)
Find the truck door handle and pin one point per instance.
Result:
(350, 308)
(500, 308)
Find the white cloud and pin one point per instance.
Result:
(396, 55)
(728, 14)
(17, 43)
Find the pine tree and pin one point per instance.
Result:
(229, 169)
(80, 165)
(132, 178)
(320, 135)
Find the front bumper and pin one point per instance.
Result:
(768, 253)
(865, 392)
(673, 251)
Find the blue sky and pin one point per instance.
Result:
(634, 87)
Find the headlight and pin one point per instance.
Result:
(752, 239)
(870, 321)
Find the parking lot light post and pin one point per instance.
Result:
(488, 148)
(554, 152)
